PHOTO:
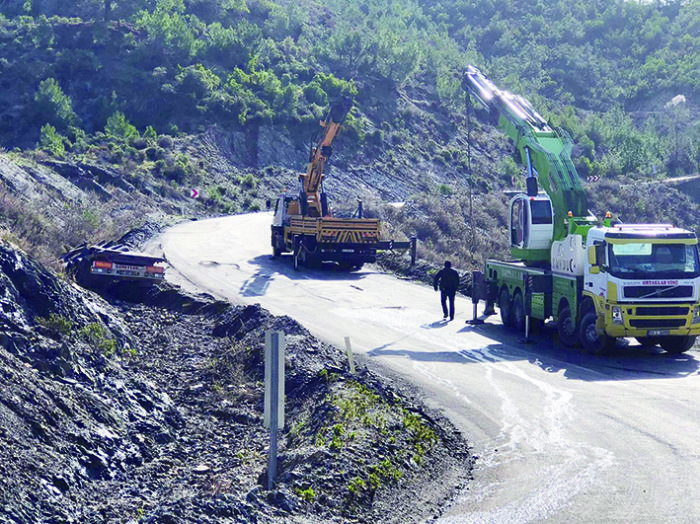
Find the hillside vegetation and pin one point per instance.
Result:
(130, 85)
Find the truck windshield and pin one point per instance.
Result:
(649, 260)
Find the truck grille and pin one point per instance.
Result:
(661, 311)
(656, 292)
(668, 323)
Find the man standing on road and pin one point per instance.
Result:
(448, 281)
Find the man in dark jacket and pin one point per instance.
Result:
(447, 279)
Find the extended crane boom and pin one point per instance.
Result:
(544, 151)
(312, 198)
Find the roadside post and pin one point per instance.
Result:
(348, 352)
(274, 396)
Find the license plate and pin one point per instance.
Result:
(657, 332)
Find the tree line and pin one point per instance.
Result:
(608, 72)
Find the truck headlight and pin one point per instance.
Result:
(696, 315)
(617, 315)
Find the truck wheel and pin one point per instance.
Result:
(648, 341)
(297, 254)
(677, 345)
(276, 250)
(591, 340)
(518, 313)
(504, 305)
(566, 327)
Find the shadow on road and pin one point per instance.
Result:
(436, 325)
(628, 361)
(271, 268)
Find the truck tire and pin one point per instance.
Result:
(297, 253)
(518, 313)
(276, 249)
(591, 341)
(679, 344)
(566, 327)
(504, 304)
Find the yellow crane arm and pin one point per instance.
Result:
(319, 155)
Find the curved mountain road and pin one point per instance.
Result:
(560, 436)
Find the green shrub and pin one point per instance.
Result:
(150, 133)
(307, 494)
(176, 172)
(249, 181)
(118, 127)
(99, 337)
(445, 190)
(356, 486)
(51, 141)
(53, 105)
(57, 323)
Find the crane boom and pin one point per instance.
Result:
(545, 151)
(311, 181)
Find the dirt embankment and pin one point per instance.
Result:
(148, 408)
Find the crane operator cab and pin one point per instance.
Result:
(531, 221)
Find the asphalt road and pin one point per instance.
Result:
(560, 436)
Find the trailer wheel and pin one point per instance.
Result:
(677, 345)
(591, 340)
(518, 312)
(566, 327)
(504, 304)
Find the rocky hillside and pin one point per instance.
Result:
(148, 408)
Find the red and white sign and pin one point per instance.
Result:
(194, 193)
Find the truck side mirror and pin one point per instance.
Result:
(596, 257)
(592, 256)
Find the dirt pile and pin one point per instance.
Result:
(148, 408)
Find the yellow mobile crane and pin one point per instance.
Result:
(303, 224)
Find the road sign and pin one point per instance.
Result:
(194, 193)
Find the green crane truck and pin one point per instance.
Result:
(598, 281)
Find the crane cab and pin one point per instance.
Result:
(531, 226)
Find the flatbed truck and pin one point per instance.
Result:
(304, 225)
